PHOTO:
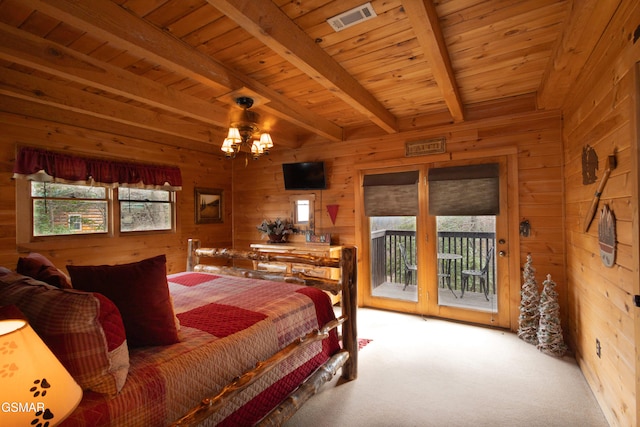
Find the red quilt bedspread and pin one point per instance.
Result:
(228, 324)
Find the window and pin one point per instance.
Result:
(302, 212)
(75, 222)
(302, 209)
(62, 209)
(145, 210)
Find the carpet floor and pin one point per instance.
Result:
(425, 372)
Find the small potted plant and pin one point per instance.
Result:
(276, 230)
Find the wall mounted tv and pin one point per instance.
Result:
(304, 176)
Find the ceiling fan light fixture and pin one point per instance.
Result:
(234, 135)
(243, 127)
(265, 140)
(256, 149)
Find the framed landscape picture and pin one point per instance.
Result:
(208, 205)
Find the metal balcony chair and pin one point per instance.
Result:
(408, 267)
(482, 275)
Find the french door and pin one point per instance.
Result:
(420, 255)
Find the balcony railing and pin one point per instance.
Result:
(387, 264)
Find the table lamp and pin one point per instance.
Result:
(35, 389)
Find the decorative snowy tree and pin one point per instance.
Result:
(529, 319)
(550, 340)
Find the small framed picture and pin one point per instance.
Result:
(208, 205)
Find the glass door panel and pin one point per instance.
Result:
(393, 253)
(466, 262)
(446, 251)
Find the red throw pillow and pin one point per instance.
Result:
(40, 268)
(141, 293)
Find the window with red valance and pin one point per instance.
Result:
(41, 165)
(73, 195)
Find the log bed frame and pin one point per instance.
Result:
(347, 358)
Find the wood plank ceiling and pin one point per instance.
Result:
(174, 67)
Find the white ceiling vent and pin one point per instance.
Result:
(352, 17)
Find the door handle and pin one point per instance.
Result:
(502, 254)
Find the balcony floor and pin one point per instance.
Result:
(471, 300)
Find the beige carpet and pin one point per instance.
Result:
(427, 372)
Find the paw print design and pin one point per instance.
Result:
(43, 418)
(8, 370)
(8, 347)
(40, 387)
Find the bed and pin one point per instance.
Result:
(253, 345)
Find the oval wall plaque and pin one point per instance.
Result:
(607, 236)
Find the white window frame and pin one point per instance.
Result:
(308, 200)
(171, 202)
(24, 209)
(72, 224)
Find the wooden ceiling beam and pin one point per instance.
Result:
(46, 119)
(425, 23)
(47, 92)
(40, 54)
(118, 26)
(264, 20)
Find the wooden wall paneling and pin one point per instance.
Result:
(635, 214)
(602, 137)
(7, 202)
(197, 168)
(610, 52)
(602, 112)
(534, 138)
(582, 29)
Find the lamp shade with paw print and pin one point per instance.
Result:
(35, 389)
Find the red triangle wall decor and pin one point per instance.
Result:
(333, 212)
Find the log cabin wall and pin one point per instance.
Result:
(198, 168)
(535, 136)
(602, 112)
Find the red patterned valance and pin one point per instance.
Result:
(41, 165)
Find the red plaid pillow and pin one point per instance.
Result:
(84, 330)
(40, 268)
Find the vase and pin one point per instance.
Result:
(277, 238)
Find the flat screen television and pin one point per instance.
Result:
(304, 176)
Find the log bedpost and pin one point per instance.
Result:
(349, 277)
(192, 258)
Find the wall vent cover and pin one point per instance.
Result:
(352, 17)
